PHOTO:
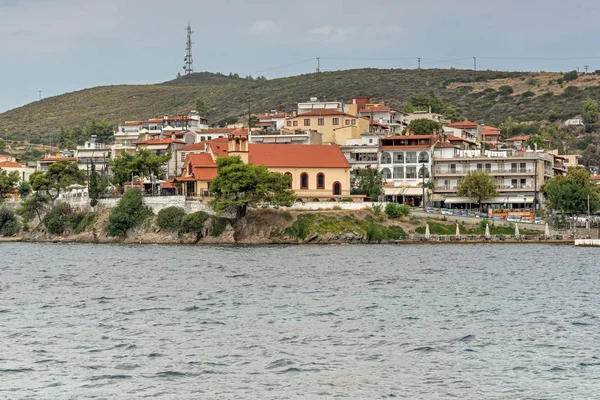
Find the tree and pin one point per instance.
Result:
(102, 129)
(8, 182)
(59, 176)
(129, 213)
(201, 107)
(34, 206)
(535, 140)
(242, 185)
(569, 194)
(423, 101)
(96, 185)
(570, 76)
(368, 182)
(589, 111)
(423, 126)
(9, 226)
(552, 116)
(142, 164)
(505, 90)
(478, 186)
(450, 113)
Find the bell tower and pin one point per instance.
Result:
(238, 144)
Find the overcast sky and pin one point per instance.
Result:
(59, 46)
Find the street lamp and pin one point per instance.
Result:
(422, 162)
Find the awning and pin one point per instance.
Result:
(458, 200)
(509, 200)
(393, 191)
(270, 140)
(403, 191)
(413, 191)
(157, 146)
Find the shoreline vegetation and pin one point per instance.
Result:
(131, 222)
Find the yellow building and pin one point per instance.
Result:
(319, 172)
(337, 127)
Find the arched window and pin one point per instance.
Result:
(386, 158)
(337, 189)
(304, 181)
(423, 171)
(291, 179)
(386, 173)
(423, 157)
(320, 181)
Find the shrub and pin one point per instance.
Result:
(129, 213)
(484, 222)
(528, 93)
(570, 91)
(505, 90)
(570, 76)
(287, 216)
(560, 81)
(219, 225)
(62, 219)
(395, 233)
(86, 222)
(395, 210)
(8, 222)
(193, 222)
(552, 116)
(377, 208)
(170, 218)
(376, 233)
(301, 227)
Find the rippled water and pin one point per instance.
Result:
(360, 322)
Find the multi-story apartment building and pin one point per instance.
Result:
(336, 126)
(93, 152)
(519, 175)
(405, 164)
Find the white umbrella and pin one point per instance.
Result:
(517, 235)
(547, 232)
(457, 230)
(427, 234)
(487, 231)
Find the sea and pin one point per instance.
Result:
(299, 322)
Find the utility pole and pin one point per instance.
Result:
(40, 94)
(419, 63)
(586, 67)
(318, 68)
(475, 64)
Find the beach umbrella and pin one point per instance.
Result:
(547, 231)
(427, 234)
(457, 230)
(517, 235)
(487, 231)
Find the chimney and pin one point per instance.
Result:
(294, 113)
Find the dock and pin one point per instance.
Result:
(587, 242)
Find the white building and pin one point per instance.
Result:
(93, 152)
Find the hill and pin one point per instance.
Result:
(481, 96)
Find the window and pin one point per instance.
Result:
(411, 157)
(452, 168)
(321, 121)
(522, 167)
(347, 122)
(336, 121)
(202, 138)
(386, 173)
(513, 167)
(290, 175)
(424, 173)
(307, 122)
(423, 157)
(386, 158)
(353, 122)
(304, 181)
(289, 123)
(370, 141)
(523, 183)
(398, 158)
(513, 183)
(183, 156)
(337, 189)
(295, 123)
(411, 172)
(320, 181)
(479, 167)
(398, 172)
(488, 167)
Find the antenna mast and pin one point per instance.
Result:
(188, 67)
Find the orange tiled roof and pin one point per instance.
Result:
(517, 139)
(218, 146)
(131, 123)
(52, 159)
(297, 156)
(205, 174)
(10, 164)
(595, 177)
(194, 147)
(201, 160)
(443, 145)
(397, 137)
(463, 125)
(217, 130)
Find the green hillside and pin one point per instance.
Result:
(479, 96)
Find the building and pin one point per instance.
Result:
(407, 118)
(519, 176)
(271, 121)
(336, 126)
(162, 146)
(319, 172)
(361, 153)
(315, 105)
(93, 152)
(288, 136)
(516, 142)
(12, 165)
(384, 116)
(44, 163)
(213, 133)
(490, 137)
(405, 164)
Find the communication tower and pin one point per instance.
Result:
(188, 67)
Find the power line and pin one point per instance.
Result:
(285, 65)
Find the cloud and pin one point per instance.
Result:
(263, 27)
(332, 33)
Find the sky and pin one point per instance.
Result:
(60, 46)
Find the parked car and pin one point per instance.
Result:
(431, 210)
(513, 218)
(446, 211)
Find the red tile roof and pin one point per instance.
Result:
(434, 137)
(205, 174)
(375, 109)
(218, 147)
(168, 184)
(375, 123)
(297, 156)
(517, 139)
(195, 146)
(131, 123)
(10, 164)
(217, 130)
(201, 160)
(595, 177)
(443, 145)
(463, 125)
(52, 159)
(453, 138)
(240, 132)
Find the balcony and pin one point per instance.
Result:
(515, 187)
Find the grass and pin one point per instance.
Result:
(450, 229)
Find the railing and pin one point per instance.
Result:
(491, 171)
(515, 186)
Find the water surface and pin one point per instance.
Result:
(284, 322)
